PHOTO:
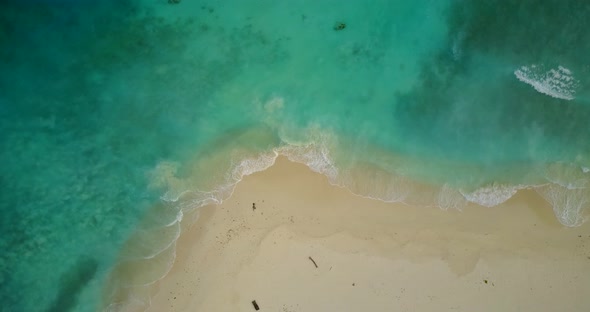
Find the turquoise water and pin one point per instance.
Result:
(117, 119)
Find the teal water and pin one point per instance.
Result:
(117, 119)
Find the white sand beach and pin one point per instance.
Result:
(371, 255)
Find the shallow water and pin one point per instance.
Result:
(119, 118)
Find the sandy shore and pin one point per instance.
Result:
(370, 255)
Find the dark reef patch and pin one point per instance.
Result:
(72, 283)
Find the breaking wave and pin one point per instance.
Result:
(556, 82)
(569, 205)
(492, 195)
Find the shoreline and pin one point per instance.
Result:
(234, 254)
(132, 118)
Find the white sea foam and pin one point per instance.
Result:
(556, 82)
(252, 165)
(450, 198)
(569, 205)
(317, 158)
(492, 195)
(195, 199)
(568, 192)
(313, 150)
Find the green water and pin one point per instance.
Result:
(119, 118)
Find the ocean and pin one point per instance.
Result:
(119, 118)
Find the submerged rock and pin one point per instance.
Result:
(339, 26)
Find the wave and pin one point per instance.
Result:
(569, 205)
(493, 195)
(449, 198)
(556, 82)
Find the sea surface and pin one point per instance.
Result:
(119, 118)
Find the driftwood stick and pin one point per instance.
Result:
(316, 266)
